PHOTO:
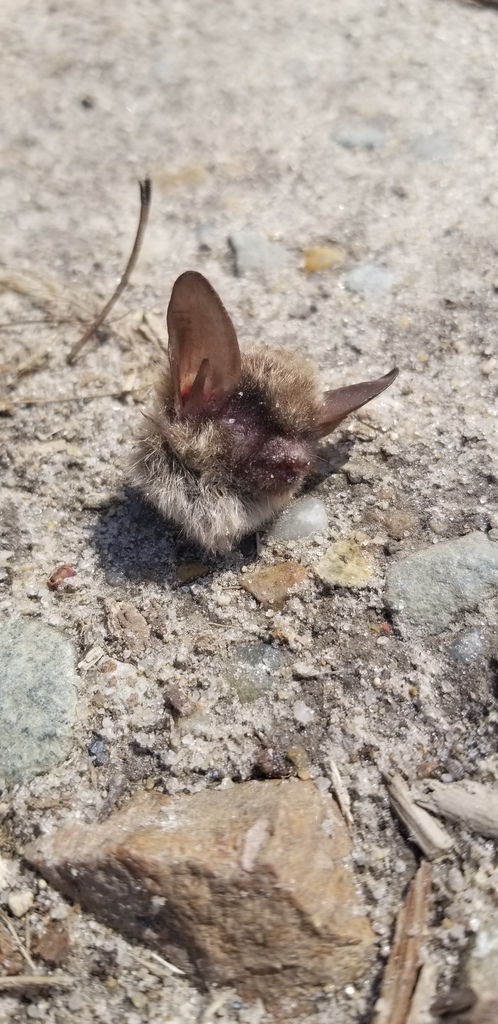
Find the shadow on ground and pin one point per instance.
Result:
(135, 542)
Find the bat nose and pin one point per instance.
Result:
(284, 459)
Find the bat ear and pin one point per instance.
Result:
(338, 404)
(204, 352)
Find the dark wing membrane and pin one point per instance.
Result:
(203, 348)
(341, 402)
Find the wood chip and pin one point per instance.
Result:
(471, 804)
(340, 792)
(402, 967)
(423, 998)
(424, 830)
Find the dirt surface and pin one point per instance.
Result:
(368, 126)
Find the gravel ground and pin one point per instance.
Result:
(366, 127)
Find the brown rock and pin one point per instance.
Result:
(247, 886)
(273, 584)
(53, 944)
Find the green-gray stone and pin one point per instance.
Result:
(430, 588)
(37, 698)
(249, 670)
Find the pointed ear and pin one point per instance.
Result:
(203, 348)
(340, 403)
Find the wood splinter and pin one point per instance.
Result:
(400, 975)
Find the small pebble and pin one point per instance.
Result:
(456, 881)
(369, 280)
(468, 646)
(433, 148)
(343, 565)
(75, 1002)
(20, 902)
(301, 670)
(96, 749)
(299, 758)
(272, 584)
(355, 133)
(303, 715)
(323, 257)
(273, 764)
(250, 670)
(253, 252)
(307, 516)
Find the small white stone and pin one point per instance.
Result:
(75, 1002)
(306, 516)
(20, 902)
(303, 715)
(303, 671)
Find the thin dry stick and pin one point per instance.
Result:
(145, 197)
(78, 398)
(24, 952)
(340, 791)
(37, 980)
(402, 968)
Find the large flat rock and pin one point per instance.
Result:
(249, 886)
(37, 698)
(429, 589)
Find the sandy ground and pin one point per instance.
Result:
(372, 126)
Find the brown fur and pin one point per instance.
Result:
(188, 470)
(231, 437)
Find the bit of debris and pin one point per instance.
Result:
(422, 828)
(469, 803)
(63, 572)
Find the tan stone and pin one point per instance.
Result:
(249, 886)
(273, 584)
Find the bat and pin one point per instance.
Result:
(232, 435)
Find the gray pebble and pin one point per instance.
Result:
(369, 280)
(468, 646)
(255, 252)
(306, 516)
(429, 588)
(433, 148)
(37, 698)
(249, 670)
(75, 1002)
(206, 236)
(358, 134)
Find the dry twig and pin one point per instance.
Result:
(424, 995)
(145, 197)
(36, 981)
(22, 949)
(340, 792)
